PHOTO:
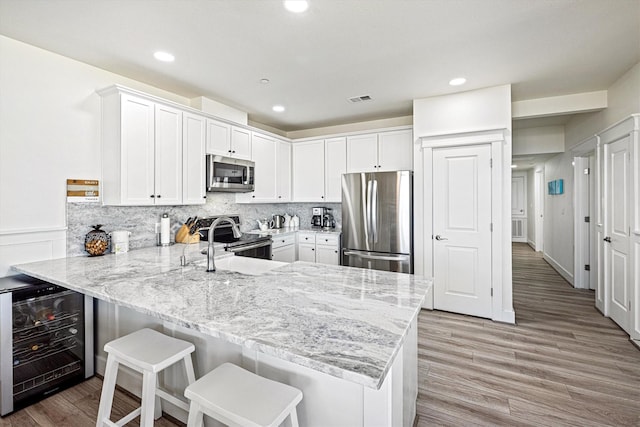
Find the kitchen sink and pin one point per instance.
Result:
(245, 265)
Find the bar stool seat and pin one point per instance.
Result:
(235, 396)
(148, 352)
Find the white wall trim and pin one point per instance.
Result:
(484, 136)
(31, 230)
(22, 246)
(561, 270)
(580, 211)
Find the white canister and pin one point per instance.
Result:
(120, 241)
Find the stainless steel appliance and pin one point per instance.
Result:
(377, 220)
(278, 221)
(46, 340)
(227, 174)
(322, 217)
(248, 245)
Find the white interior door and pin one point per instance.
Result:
(461, 229)
(617, 231)
(519, 208)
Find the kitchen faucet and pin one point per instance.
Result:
(211, 265)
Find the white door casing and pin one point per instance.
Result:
(617, 226)
(539, 210)
(519, 207)
(462, 229)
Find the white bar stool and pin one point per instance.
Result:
(237, 397)
(148, 352)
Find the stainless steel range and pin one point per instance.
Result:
(248, 245)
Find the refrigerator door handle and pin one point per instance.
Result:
(374, 211)
(369, 214)
(377, 257)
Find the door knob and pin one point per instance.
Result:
(607, 239)
(439, 237)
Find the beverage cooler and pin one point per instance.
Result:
(46, 340)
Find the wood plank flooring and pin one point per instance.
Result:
(562, 364)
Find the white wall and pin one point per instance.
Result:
(623, 99)
(465, 112)
(49, 131)
(538, 140)
(558, 216)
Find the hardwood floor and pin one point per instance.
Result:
(562, 364)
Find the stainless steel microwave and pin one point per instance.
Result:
(229, 175)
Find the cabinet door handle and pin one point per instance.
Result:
(152, 196)
(158, 196)
(229, 151)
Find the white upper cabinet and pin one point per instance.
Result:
(142, 151)
(264, 152)
(362, 153)
(308, 171)
(317, 170)
(228, 140)
(152, 152)
(385, 151)
(168, 155)
(335, 165)
(193, 159)
(395, 150)
(128, 146)
(283, 171)
(272, 158)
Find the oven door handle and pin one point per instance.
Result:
(249, 247)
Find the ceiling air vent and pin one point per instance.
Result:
(362, 98)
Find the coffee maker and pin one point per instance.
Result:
(322, 217)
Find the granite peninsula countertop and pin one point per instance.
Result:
(346, 322)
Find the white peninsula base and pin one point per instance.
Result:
(327, 401)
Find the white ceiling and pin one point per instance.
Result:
(393, 50)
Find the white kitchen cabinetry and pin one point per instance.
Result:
(317, 170)
(193, 159)
(283, 247)
(328, 248)
(323, 248)
(228, 140)
(142, 151)
(379, 152)
(272, 172)
(283, 171)
(335, 164)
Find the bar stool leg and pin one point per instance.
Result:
(294, 418)
(188, 366)
(196, 416)
(148, 399)
(108, 388)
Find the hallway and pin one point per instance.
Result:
(562, 364)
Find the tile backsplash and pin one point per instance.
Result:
(141, 220)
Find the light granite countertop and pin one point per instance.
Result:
(346, 322)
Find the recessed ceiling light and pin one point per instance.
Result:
(264, 81)
(164, 56)
(278, 108)
(457, 81)
(296, 6)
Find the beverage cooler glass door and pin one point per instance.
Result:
(44, 344)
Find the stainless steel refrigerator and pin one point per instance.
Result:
(377, 220)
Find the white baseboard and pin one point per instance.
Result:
(519, 239)
(532, 244)
(560, 269)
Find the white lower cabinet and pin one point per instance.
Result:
(322, 248)
(283, 248)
